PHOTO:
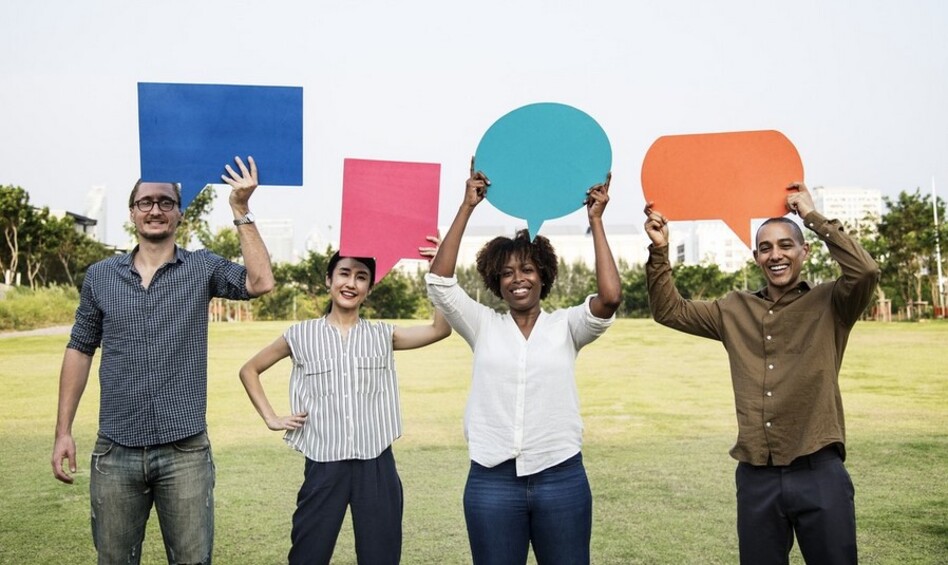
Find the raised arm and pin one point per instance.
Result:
(256, 258)
(609, 287)
(250, 377)
(696, 317)
(474, 192)
(420, 336)
(73, 377)
(860, 273)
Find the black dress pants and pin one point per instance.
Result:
(371, 488)
(812, 497)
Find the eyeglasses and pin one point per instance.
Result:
(164, 204)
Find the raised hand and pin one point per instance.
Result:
(656, 226)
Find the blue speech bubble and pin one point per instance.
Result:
(188, 132)
(541, 159)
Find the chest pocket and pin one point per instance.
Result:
(371, 374)
(317, 379)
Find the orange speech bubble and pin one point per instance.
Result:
(733, 176)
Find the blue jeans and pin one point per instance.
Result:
(177, 477)
(552, 510)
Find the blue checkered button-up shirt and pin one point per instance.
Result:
(153, 373)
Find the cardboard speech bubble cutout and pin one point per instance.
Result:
(734, 176)
(188, 132)
(388, 210)
(541, 159)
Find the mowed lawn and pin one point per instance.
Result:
(659, 420)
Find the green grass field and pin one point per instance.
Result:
(659, 422)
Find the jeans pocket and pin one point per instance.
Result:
(197, 442)
(101, 460)
(103, 446)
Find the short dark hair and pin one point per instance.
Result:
(492, 258)
(138, 184)
(367, 261)
(794, 229)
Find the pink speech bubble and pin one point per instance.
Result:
(388, 209)
(734, 176)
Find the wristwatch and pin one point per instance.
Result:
(247, 219)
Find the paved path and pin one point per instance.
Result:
(53, 330)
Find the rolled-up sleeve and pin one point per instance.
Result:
(584, 326)
(86, 335)
(462, 312)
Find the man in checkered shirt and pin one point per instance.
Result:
(148, 311)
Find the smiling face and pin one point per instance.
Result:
(780, 254)
(520, 284)
(155, 225)
(349, 284)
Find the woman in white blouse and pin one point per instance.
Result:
(527, 484)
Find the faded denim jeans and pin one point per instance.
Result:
(177, 477)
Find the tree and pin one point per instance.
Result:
(573, 284)
(32, 242)
(15, 210)
(635, 292)
(69, 253)
(702, 282)
(393, 298)
(224, 242)
(905, 249)
(194, 223)
(819, 266)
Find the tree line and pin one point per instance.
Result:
(43, 250)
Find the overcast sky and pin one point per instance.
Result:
(860, 87)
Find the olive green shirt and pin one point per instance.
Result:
(785, 355)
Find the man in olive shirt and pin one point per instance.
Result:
(785, 343)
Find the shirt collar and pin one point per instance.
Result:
(126, 259)
(802, 285)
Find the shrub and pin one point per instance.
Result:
(25, 309)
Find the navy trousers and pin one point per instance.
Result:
(371, 488)
(812, 497)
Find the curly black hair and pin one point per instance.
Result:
(492, 258)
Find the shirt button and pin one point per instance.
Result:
(769, 338)
(771, 366)
(767, 424)
(769, 393)
(771, 312)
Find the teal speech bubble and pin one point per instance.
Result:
(541, 159)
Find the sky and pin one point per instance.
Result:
(859, 87)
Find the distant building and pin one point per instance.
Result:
(96, 208)
(82, 224)
(850, 205)
(317, 242)
(713, 242)
(277, 234)
(572, 243)
(705, 242)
